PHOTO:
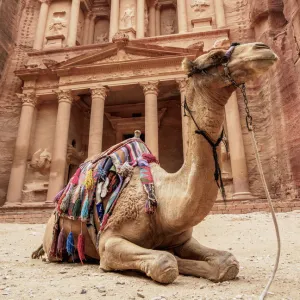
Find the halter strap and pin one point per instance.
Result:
(214, 145)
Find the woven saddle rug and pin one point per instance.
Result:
(103, 176)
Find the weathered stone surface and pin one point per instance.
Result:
(273, 100)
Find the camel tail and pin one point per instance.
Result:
(39, 252)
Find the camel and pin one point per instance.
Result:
(161, 245)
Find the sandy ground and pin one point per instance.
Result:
(250, 237)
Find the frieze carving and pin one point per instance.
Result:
(128, 18)
(182, 84)
(99, 92)
(45, 1)
(64, 96)
(150, 87)
(41, 160)
(146, 20)
(28, 98)
(199, 6)
(58, 23)
(120, 37)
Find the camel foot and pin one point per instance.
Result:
(38, 253)
(119, 254)
(230, 268)
(164, 269)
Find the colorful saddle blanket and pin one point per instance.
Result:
(106, 176)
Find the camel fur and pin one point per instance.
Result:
(161, 245)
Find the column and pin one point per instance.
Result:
(182, 87)
(59, 157)
(86, 28)
(152, 20)
(151, 115)
(157, 19)
(182, 16)
(96, 120)
(237, 151)
(41, 25)
(72, 34)
(91, 28)
(220, 13)
(18, 170)
(140, 19)
(114, 18)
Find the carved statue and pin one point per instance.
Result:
(102, 37)
(169, 26)
(41, 160)
(58, 23)
(199, 5)
(127, 19)
(161, 245)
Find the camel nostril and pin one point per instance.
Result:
(261, 46)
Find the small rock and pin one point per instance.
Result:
(120, 282)
(140, 295)
(83, 291)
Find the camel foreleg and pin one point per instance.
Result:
(120, 254)
(200, 261)
(39, 252)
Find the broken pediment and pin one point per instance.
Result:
(129, 52)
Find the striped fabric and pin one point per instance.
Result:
(105, 176)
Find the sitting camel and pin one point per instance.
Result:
(161, 245)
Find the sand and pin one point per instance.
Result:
(251, 238)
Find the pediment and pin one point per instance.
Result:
(131, 52)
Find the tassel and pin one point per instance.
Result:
(61, 243)
(150, 206)
(65, 203)
(81, 247)
(85, 209)
(57, 197)
(75, 177)
(150, 158)
(104, 222)
(76, 208)
(70, 244)
(89, 181)
(100, 211)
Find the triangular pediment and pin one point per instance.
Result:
(113, 53)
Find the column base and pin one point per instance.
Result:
(243, 196)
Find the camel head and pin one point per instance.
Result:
(244, 62)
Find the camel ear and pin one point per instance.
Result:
(212, 58)
(187, 65)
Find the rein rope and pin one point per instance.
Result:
(217, 173)
(242, 88)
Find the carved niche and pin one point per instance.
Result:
(168, 20)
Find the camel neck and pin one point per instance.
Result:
(199, 189)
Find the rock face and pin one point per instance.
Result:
(274, 100)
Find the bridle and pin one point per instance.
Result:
(196, 70)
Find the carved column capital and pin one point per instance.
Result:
(91, 15)
(28, 99)
(158, 5)
(99, 92)
(45, 1)
(182, 84)
(64, 96)
(150, 87)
